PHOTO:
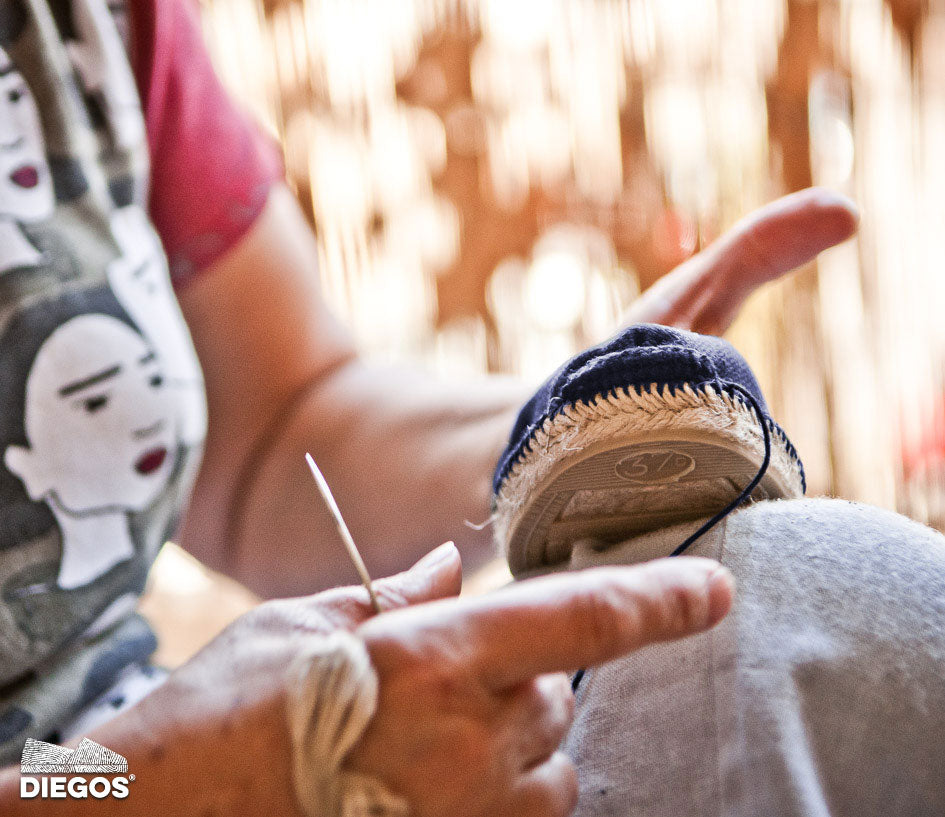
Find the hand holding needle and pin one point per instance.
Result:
(344, 532)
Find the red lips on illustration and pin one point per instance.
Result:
(26, 176)
(150, 461)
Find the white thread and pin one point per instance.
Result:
(332, 698)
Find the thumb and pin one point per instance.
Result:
(705, 293)
(437, 575)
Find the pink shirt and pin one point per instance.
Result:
(211, 168)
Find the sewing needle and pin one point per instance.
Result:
(343, 531)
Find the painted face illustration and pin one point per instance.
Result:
(99, 420)
(26, 192)
(140, 281)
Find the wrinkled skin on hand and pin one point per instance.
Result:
(472, 702)
(213, 739)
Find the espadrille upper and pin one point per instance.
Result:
(644, 356)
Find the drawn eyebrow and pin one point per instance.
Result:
(9, 68)
(78, 385)
(147, 358)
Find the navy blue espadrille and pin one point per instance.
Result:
(656, 426)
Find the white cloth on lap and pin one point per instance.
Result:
(822, 693)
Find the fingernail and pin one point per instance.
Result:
(721, 587)
(441, 554)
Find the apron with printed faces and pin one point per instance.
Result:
(102, 410)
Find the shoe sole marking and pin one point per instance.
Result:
(540, 537)
(657, 466)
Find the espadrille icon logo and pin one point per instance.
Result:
(51, 772)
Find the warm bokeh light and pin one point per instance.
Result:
(492, 180)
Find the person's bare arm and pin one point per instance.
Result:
(409, 457)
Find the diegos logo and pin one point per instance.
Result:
(64, 771)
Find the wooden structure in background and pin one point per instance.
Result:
(406, 127)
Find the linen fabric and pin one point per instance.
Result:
(820, 694)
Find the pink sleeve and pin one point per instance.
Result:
(211, 168)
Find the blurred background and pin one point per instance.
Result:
(493, 181)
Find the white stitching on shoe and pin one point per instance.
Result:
(622, 413)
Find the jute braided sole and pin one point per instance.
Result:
(630, 462)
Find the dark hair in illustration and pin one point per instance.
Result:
(22, 519)
(69, 180)
(62, 15)
(12, 21)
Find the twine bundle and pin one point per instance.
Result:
(333, 697)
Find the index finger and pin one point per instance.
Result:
(575, 620)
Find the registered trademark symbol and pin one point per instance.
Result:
(131, 777)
